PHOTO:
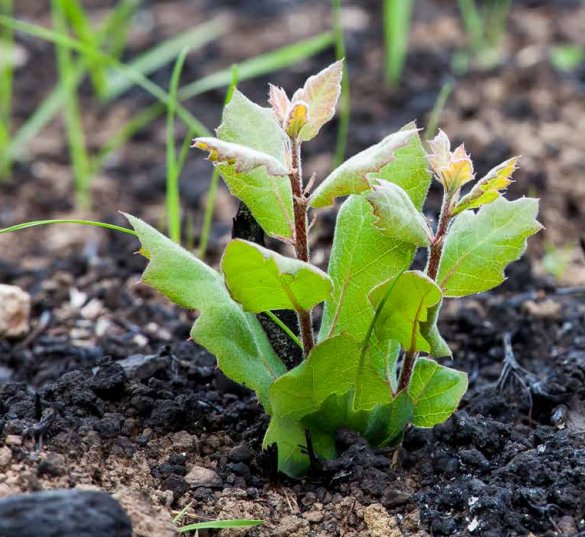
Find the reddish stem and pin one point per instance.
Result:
(301, 238)
(432, 268)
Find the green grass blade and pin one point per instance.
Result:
(212, 191)
(397, 18)
(56, 99)
(284, 328)
(344, 100)
(6, 80)
(117, 26)
(165, 52)
(220, 524)
(260, 65)
(35, 223)
(473, 24)
(173, 171)
(437, 111)
(73, 121)
(138, 78)
(81, 25)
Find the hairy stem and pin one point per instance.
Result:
(301, 238)
(436, 248)
(432, 268)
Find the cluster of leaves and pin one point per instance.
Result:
(364, 370)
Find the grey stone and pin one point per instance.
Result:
(63, 513)
(199, 476)
(144, 366)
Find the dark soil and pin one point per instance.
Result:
(107, 392)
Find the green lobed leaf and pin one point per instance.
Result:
(268, 197)
(480, 245)
(320, 93)
(362, 257)
(435, 391)
(236, 338)
(243, 158)
(353, 176)
(333, 367)
(406, 309)
(397, 216)
(262, 280)
(291, 441)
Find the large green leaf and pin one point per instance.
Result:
(291, 440)
(353, 176)
(334, 367)
(435, 391)
(262, 280)
(236, 338)
(397, 216)
(268, 197)
(362, 257)
(480, 245)
(406, 308)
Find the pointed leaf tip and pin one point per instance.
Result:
(278, 99)
(353, 176)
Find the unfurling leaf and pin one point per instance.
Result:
(262, 280)
(236, 338)
(244, 159)
(296, 119)
(488, 188)
(321, 93)
(353, 176)
(406, 308)
(279, 101)
(435, 391)
(452, 168)
(396, 215)
(480, 245)
(268, 197)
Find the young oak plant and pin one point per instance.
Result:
(371, 366)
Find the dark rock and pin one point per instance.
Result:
(394, 498)
(240, 453)
(474, 459)
(240, 468)
(63, 513)
(110, 425)
(177, 485)
(109, 381)
(166, 416)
